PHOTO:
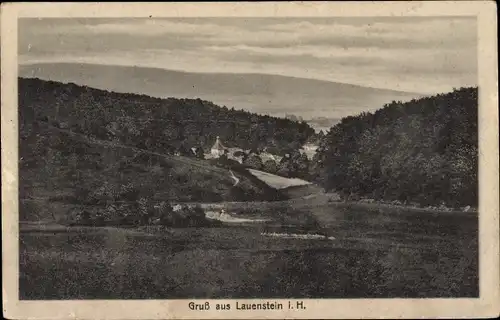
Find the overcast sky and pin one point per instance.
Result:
(424, 55)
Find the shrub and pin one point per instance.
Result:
(199, 153)
(253, 161)
(270, 166)
(83, 217)
(184, 216)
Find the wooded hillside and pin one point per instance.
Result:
(156, 124)
(76, 154)
(423, 151)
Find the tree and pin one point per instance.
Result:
(301, 166)
(283, 169)
(185, 150)
(270, 166)
(253, 161)
(199, 153)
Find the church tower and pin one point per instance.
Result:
(217, 149)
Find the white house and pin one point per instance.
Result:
(217, 149)
(269, 156)
(309, 149)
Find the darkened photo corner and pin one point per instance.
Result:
(182, 158)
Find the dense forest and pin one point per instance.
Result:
(162, 125)
(424, 151)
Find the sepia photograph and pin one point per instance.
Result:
(249, 163)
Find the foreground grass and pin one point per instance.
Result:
(375, 254)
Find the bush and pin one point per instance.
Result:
(183, 216)
(253, 161)
(144, 212)
(270, 166)
(239, 153)
(224, 162)
(283, 170)
(83, 217)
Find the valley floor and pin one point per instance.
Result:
(371, 252)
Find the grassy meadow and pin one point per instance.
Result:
(376, 253)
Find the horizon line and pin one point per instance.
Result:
(324, 80)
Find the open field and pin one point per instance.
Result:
(277, 182)
(376, 253)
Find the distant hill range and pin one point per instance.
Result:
(260, 93)
(322, 123)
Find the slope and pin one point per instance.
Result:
(61, 171)
(154, 123)
(424, 151)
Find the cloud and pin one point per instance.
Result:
(426, 55)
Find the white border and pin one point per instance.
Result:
(485, 306)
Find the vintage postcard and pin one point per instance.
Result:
(271, 160)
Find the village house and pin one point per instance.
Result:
(309, 149)
(218, 148)
(265, 156)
